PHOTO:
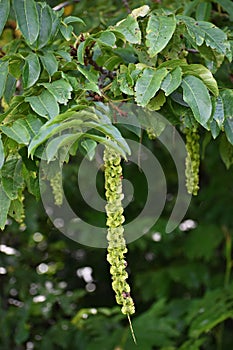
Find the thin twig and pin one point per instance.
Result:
(131, 329)
(126, 4)
(192, 50)
(64, 4)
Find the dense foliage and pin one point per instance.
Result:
(66, 74)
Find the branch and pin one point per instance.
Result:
(64, 4)
(126, 4)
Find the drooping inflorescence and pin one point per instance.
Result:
(56, 184)
(116, 241)
(192, 160)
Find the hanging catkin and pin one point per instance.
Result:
(56, 184)
(192, 160)
(116, 242)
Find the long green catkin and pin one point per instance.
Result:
(192, 160)
(115, 236)
(56, 184)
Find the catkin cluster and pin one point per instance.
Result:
(192, 161)
(56, 184)
(115, 236)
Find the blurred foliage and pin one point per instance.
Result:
(181, 282)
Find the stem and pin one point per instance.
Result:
(131, 329)
(64, 4)
(126, 4)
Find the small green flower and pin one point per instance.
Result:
(115, 235)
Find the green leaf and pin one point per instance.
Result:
(219, 112)
(56, 143)
(4, 207)
(80, 122)
(154, 319)
(157, 102)
(4, 12)
(111, 131)
(44, 133)
(81, 52)
(125, 81)
(44, 104)
(23, 129)
(92, 76)
(46, 22)
(216, 307)
(112, 62)
(107, 38)
(201, 31)
(203, 11)
(16, 66)
(227, 99)
(83, 114)
(172, 81)
(49, 129)
(56, 21)
(66, 31)
(193, 29)
(31, 70)
(107, 142)
(73, 19)
(49, 62)
(65, 55)
(27, 18)
(16, 210)
(203, 73)
(3, 76)
(60, 89)
(214, 37)
(17, 132)
(196, 95)
(2, 153)
(32, 124)
(228, 127)
(127, 54)
(10, 88)
(81, 49)
(17, 106)
(129, 27)
(148, 84)
(159, 32)
(12, 179)
(90, 147)
(226, 151)
(212, 58)
(214, 129)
